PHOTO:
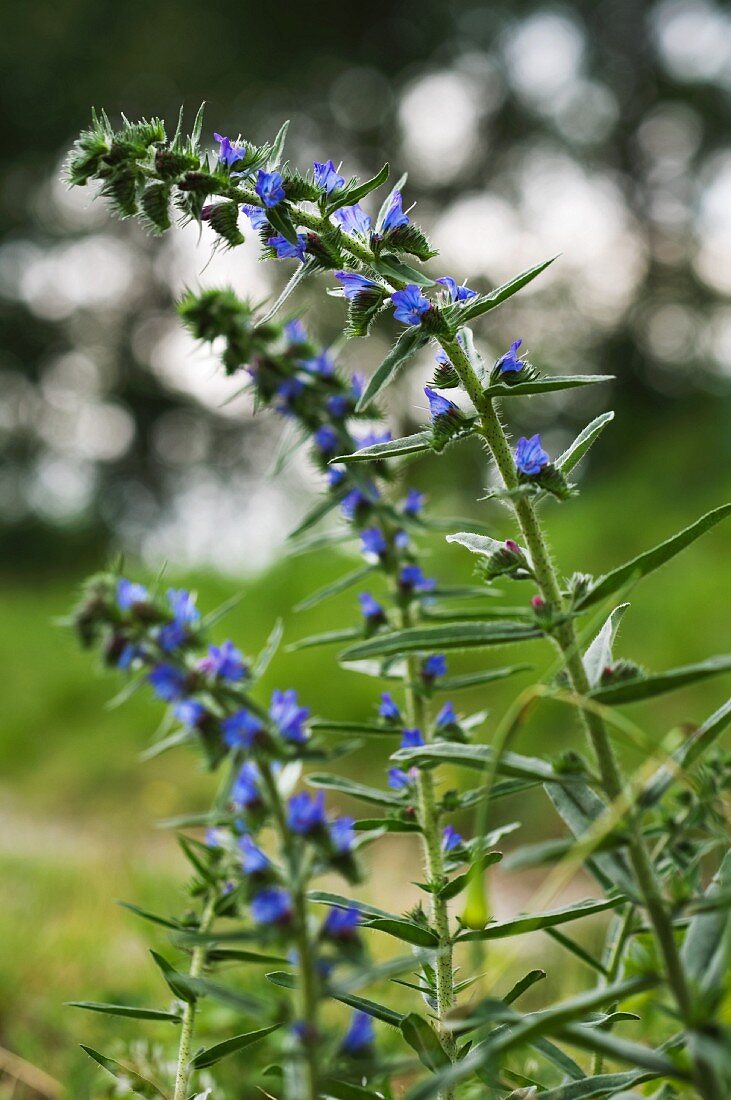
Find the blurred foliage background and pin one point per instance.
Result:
(527, 128)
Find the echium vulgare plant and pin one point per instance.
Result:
(656, 1018)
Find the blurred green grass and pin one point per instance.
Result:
(79, 811)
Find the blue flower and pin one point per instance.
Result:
(451, 839)
(245, 791)
(530, 458)
(356, 499)
(287, 392)
(305, 813)
(336, 475)
(224, 661)
(295, 331)
(388, 708)
(338, 405)
(410, 305)
(182, 605)
(370, 608)
(457, 292)
(190, 712)
(398, 780)
(414, 502)
(327, 176)
(256, 216)
(439, 406)
(253, 859)
(395, 216)
(213, 838)
(412, 579)
(401, 540)
(167, 682)
(288, 716)
(326, 440)
(271, 906)
(130, 653)
(321, 364)
(359, 1037)
(241, 729)
(435, 665)
(510, 362)
(412, 739)
(342, 834)
(285, 250)
(340, 924)
(373, 542)
(352, 219)
(229, 151)
(269, 187)
(447, 717)
(130, 594)
(170, 636)
(353, 284)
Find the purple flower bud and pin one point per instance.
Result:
(395, 216)
(327, 177)
(353, 220)
(359, 1038)
(434, 666)
(530, 458)
(285, 250)
(370, 608)
(229, 151)
(245, 791)
(388, 708)
(510, 362)
(305, 813)
(130, 595)
(336, 475)
(410, 305)
(190, 712)
(451, 839)
(225, 662)
(241, 729)
(398, 780)
(253, 860)
(167, 682)
(341, 924)
(288, 716)
(295, 331)
(439, 406)
(412, 579)
(414, 502)
(447, 717)
(269, 187)
(342, 834)
(182, 605)
(412, 739)
(271, 906)
(373, 542)
(326, 440)
(256, 216)
(353, 284)
(456, 292)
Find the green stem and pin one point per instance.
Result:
(197, 963)
(565, 638)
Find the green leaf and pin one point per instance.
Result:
(268, 652)
(454, 636)
(179, 984)
(323, 897)
(459, 882)
(391, 267)
(475, 679)
(371, 1008)
(478, 544)
(334, 588)
(329, 637)
(309, 267)
(599, 654)
(605, 1084)
(422, 1038)
(408, 344)
(481, 757)
(349, 196)
(621, 1050)
(405, 930)
(687, 755)
(355, 790)
(573, 455)
(275, 153)
(419, 443)
(646, 687)
(345, 1090)
(706, 944)
(173, 741)
(140, 1085)
(576, 949)
(165, 922)
(332, 725)
(240, 955)
(475, 307)
(321, 509)
(533, 922)
(126, 1010)
(551, 851)
(282, 978)
(215, 1053)
(279, 219)
(240, 1002)
(524, 985)
(545, 385)
(386, 824)
(651, 560)
(580, 807)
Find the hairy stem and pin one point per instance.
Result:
(565, 638)
(197, 963)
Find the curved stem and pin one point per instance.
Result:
(197, 963)
(565, 638)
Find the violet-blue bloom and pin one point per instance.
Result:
(171, 636)
(353, 219)
(326, 439)
(451, 839)
(434, 665)
(373, 542)
(412, 739)
(129, 594)
(370, 608)
(253, 859)
(269, 187)
(321, 364)
(356, 499)
(447, 716)
(245, 791)
(388, 708)
(401, 540)
(510, 362)
(182, 605)
(256, 216)
(229, 151)
(288, 716)
(224, 661)
(129, 655)
(342, 834)
(341, 924)
(285, 250)
(414, 502)
(439, 406)
(398, 779)
(338, 405)
(241, 729)
(271, 906)
(395, 216)
(530, 458)
(412, 579)
(305, 813)
(457, 292)
(360, 1036)
(327, 176)
(353, 284)
(410, 305)
(295, 331)
(190, 712)
(167, 681)
(336, 475)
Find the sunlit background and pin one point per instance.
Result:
(598, 131)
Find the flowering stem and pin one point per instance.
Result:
(197, 963)
(566, 640)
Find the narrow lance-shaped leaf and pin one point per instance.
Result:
(179, 984)
(408, 344)
(131, 1011)
(687, 755)
(599, 654)
(580, 807)
(646, 687)
(547, 384)
(646, 563)
(215, 1053)
(475, 307)
(355, 790)
(573, 455)
(533, 922)
(419, 443)
(706, 942)
(129, 1077)
(455, 636)
(349, 196)
(342, 584)
(422, 1038)
(481, 758)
